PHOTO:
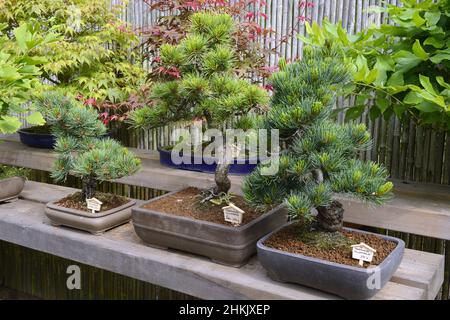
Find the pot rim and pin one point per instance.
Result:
(203, 222)
(86, 214)
(400, 246)
(161, 150)
(13, 178)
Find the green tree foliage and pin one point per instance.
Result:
(93, 57)
(19, 71)
(403, 64)
(83, 150)
(319, 156)
(198, 78)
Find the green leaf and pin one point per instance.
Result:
(412, 98)
(435, 42)
(382, 103)
(36, 118)
(22, 36)
(9, 73)
(417, 19)
(426, 83)
(9, 124)
(374, 113)
(396, 79)
(432, 17)
(406, 60)
(419, 51)
(354, 113)
(442, 82)
(426, 106)
(439, 57)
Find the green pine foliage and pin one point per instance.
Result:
(197, 78)
(319, 156)
(83, 150)
(94, 57)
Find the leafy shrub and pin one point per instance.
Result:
(403, 64)
(19, 71)
(9, 172)
(94, 57)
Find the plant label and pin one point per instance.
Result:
(94, 204)
(233, 214)
(362, 252)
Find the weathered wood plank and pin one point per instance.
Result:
(422, 209)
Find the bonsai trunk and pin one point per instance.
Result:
(89, 185)
(223, 183)
(330, 218)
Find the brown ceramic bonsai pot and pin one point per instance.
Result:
(223, 244)
(10, 188)
(87, 221)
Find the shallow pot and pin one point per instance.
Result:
(223, 244)
(41, 140)
(345, 281)
(206, 164)
(36, 140)
(83, 220)
(10, 188)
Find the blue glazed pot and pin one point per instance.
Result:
(192, 163)
(36, 140)
(41, 140)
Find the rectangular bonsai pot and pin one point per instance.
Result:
(10, 188)
(223, 244)
(83, 220)
(343, 280)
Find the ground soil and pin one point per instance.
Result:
(186, 203)
(288, 239)
(75, 201)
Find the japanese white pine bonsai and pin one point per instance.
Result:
(319, 157)
(198, 79)
(83, 150)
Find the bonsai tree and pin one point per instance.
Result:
(198, 80)
(82, 149)
(319, 156)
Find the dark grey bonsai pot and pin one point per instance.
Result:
(87, 221)
(345, 281)
(10, 188)
(223, 244)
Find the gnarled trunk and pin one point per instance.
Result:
(223, 183)
(89, 185)
(330, 218)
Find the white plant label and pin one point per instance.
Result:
(233, 214)
(94, 204)
(362, 252)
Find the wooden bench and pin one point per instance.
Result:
(418, 209)
(23, 222)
